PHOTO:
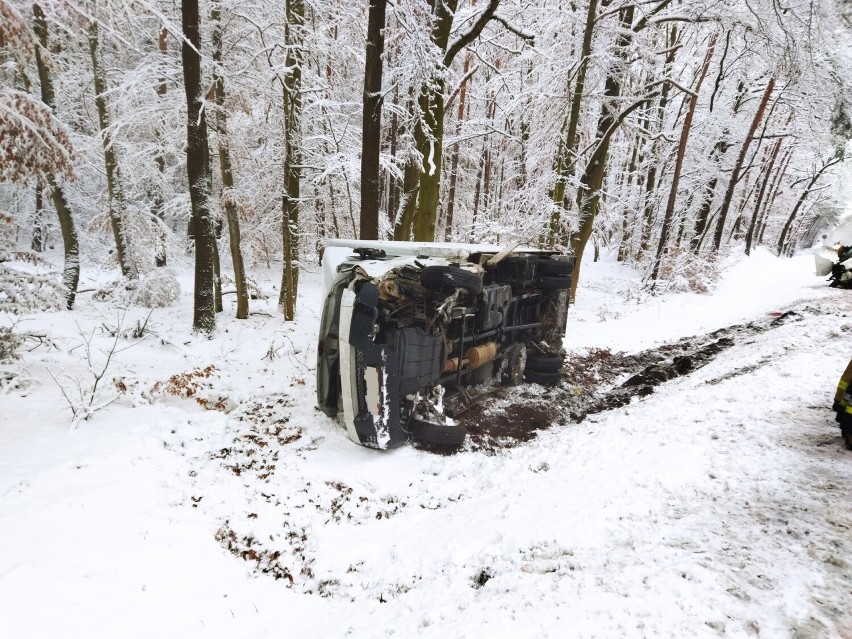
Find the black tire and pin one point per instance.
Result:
(441, 277)
(545, 363)
(438, 435)
(545, 379)
(554, 282)
(514, 364)
(556, 267)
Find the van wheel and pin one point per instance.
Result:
(441, 277)
(515, 363)
(556, 267)
(438, 435)
(554, 282)
(545, 363)
(545, 379)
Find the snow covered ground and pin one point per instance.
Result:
(717, 506)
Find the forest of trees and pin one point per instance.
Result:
(668, 131)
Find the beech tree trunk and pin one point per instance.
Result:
(567, 151)
(198, 171)
(161, 258)
(588, 195)
(115, 192)
(431, 102)
(681, 153)
(71, 247)
(372, 122)
(39, 230)
(454, 158)
(227, 197)
(782, 239)
(735, 175)
(627, 216)
(773, 192)
(292, 101)
(392, 183)
(750, 234)
(651, 204)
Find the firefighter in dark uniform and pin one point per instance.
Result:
(839, 270)
(843, 405)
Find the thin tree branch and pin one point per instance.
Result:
(466, 38)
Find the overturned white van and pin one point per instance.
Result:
(411, 332)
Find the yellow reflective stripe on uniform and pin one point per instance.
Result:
(842, 385)
(849, 409)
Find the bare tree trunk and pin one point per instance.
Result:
(227, 197)
(217, 267)
(392, 182)
(750, 234)
(198, 170)
(702, 220)
(292, 98)
(735, 175)
(651, 204)
(588, 195)
(784, 231)
(408, 202)
(161, 258)
(626, 222)
(117, 207)
(773, 192)
(486, 160)
(454, 158)
(431, 102)
(71, 269)
(39, 238)
(372, 122)
(681, 153)
(567, 151)
(476, 194)
(430, 144)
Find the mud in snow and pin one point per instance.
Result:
(601, 380)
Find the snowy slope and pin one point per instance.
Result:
(718, 506)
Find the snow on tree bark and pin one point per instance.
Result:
(198, 171)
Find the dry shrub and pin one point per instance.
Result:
(684, 272)
(10, 344)
(192, 385)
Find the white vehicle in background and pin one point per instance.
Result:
(412, 332)
(835, 260)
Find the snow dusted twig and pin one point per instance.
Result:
(86, 400)
(518, 31)
(273, 352)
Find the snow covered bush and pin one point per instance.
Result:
(684, 272)
(157, 289)
(118, 291)
(23, 292)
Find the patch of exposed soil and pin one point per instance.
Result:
(507, 419)
(491, 427)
